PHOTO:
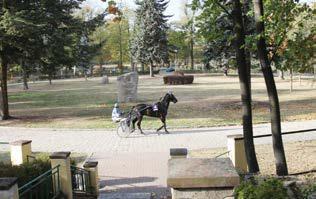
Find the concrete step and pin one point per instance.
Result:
(126, 196)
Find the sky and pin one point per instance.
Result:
(174, 8)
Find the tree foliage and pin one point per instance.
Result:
(41, 33)
(150, 44)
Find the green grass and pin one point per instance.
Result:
(210, 101)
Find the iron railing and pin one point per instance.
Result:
(283, 133)
(45, 186)
(81, 182)
(4, 142)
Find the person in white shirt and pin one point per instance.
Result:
(117, 113)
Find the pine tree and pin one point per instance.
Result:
(150, 44)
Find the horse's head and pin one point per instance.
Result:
(171, 97)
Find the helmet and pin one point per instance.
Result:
(116, 105)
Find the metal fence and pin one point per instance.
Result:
(45, 186)
(81, 182)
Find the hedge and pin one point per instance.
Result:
(177, 80)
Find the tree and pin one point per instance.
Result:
(19, 39)
(116, 45)
(39, 32)
(150, 44)
(223, 23)
(244, 77)
(177, 40)
(281, 17)
(280, 161)
(298, 52)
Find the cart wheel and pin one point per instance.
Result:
(123, 130)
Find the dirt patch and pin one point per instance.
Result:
(301, 157)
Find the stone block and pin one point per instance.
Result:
(19, 151)
(202, 193)
(105, 80)
(9, 188)
(178, 152)
(127, 87)
(201, 173)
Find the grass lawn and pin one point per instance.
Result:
(210, 101)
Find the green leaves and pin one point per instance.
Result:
(150, 44)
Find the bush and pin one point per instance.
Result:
(176, 80)
(270, 188)
(25, 172)
(308, 190)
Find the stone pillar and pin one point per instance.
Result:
(236, 148)
(178, 153)
(9, 188)
(20, 150)
(63, 160)
(127, 87)
(92, 167)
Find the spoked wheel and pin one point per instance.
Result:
(123, 129)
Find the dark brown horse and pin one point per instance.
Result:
(149, 110)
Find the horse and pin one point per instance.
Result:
(158, 110)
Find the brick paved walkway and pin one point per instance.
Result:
(138, 163)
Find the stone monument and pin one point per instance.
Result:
(105, 79)
(127, 87)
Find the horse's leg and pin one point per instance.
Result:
(161, 126)
(163, 119)
(139, 122)
(133, 124)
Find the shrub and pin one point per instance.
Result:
(270, 188)
(308, 190)
(26, 171)
(176, 80)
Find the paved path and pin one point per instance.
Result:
(138, 163)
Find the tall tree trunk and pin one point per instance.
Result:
(245, 88)
(247, 28)
(120, 50)
(4, 90)
(24, 75)
(50, 78)
(291, 80)
(192, 53)
(91, 71)
(300, 78)
(281, 75)
(143, 68)
(151, 66)
(25, 84)
(280, 161)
